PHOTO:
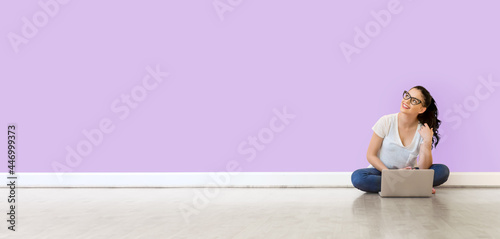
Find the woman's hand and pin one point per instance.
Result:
(426, 132)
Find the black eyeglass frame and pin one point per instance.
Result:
(411, 98)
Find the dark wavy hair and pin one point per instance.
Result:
(430, 116)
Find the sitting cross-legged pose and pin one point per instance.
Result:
(399, 138)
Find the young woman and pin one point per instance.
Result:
(399, 138)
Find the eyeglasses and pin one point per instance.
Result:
(413, 101)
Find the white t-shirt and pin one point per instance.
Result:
(392, 153)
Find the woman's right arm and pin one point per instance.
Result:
(371, 154)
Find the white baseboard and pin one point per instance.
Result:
(224, 179)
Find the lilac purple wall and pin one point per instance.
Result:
(334, 66)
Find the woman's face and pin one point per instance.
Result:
(414, 96)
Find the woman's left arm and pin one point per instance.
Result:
(425, 158)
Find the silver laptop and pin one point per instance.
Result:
(407, 183)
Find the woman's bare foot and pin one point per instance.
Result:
(433, 191)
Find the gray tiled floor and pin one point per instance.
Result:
(252, 213)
